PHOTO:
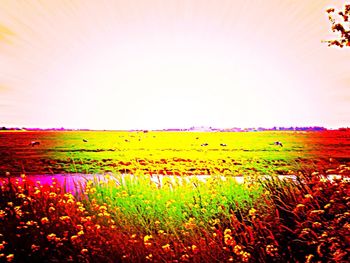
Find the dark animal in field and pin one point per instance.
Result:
(223, 144)
(33, 143)
(204, 144)
(278, 143)
(84, 140)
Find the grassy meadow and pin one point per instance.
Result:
(177, 153)
(131, 219)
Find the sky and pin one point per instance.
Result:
(171, 64)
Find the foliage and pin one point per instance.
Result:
(341, 24)
(132, 220)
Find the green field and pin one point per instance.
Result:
(118, 218)
(170, 152)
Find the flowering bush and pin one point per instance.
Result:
(268, 220)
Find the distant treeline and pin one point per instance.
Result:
(311, 128)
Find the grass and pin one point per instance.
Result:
(169, 152)
(217, 221)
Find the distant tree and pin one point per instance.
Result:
(340, 23)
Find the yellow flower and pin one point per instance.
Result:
(44, 220)
(73, 238)
(35, 247)
(147, 238)
(237, 249)
(309, 258)
(252, 212)
(245, 256)
(308, 196)
(80, 233)
(52, 195)
(227, 231)
(2, 214)
(194, 248)
(10, 257)
(166, 248)
(51, 237)
(317, 212)
(64, 218)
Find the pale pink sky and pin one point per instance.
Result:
(161, 64)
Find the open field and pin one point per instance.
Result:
(122, 218)
(171, 152)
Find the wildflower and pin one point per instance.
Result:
(166, 248)
(37, 192)
(149, 257)
(64, 218)
(51, 237)
(305, 231)
(316, 224)
(80, 233)
(44, 220)
(317, 212)
(10, 204)
(84, 251)
(237, 249)
(146, 240)
(31, 223)
(252, 212)
(245, 256)
(10, 257)
(271, 250)
(35, 247)
(327, 206)
(309, 258)
(51, 209)
(308, 196)
(299, 206)
(147, 237)
(185, 257)
(52, 195)
(229, 241)
(73, 238)
(194, 249)
(22, 196)
(2, 214)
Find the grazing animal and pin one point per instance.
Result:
(33, 143)
(223, 144)
(278, 143)
(204, 144)
(84, 140)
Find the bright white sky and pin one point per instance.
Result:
(171, 64)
